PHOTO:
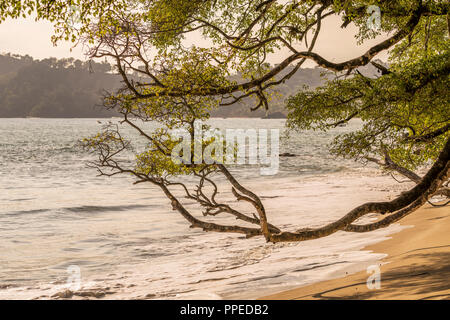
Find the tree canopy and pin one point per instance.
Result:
(405, 108)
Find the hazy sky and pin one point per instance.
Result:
(25, 36)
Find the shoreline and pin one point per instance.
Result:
(417, 265)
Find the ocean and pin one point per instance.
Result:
(125, 241)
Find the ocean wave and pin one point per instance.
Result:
(105, 208)
(78, 209)
(23, 212)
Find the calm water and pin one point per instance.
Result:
(55, 213)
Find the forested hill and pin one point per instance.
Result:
(53, 88)
(69, 88)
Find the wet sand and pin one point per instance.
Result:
(417, 265)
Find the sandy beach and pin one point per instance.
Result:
(417, 265)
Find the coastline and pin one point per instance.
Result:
(417, 265)
(126, 253)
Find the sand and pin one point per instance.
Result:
(417, 265)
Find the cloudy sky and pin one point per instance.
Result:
(25, 36)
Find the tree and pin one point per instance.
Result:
(178, 84)
(405, 110)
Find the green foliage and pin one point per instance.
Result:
(175, 84)
(168, 23)
(397, 108)
(71, 18)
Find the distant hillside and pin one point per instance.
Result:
(310, 77)
(69, 88)
(53, 88)
(10, 64)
